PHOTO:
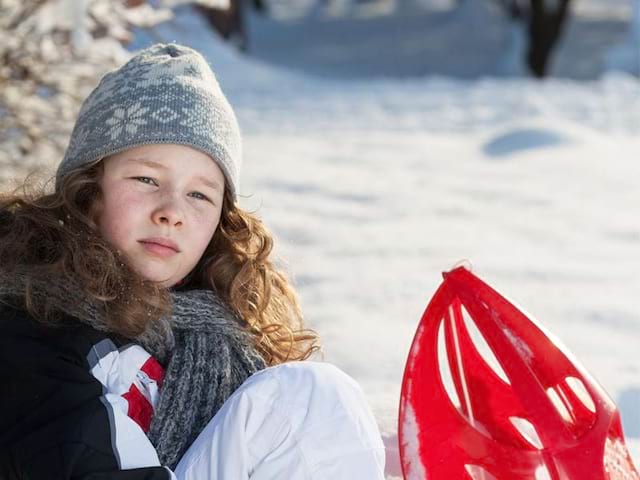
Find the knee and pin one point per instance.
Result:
(324, 403)
(314, 374)
(308, 390)
(302, 381)
(316, 410)
(305, 384)
(316, 392)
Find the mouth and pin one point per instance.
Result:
(159, 246)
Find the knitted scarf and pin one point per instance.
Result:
(206, 352)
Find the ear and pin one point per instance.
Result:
(96, 208)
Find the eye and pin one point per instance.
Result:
(151, 181)
(147, 180)
(201, 196)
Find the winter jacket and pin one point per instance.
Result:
(74, 403)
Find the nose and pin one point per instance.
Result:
(169, 213)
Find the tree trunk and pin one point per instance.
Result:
(545, 28)
(228, 23)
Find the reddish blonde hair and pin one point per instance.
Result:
(54, 235)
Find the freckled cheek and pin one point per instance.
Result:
(120, 217)
(205, 233)
(115, 228)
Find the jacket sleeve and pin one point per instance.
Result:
(151, 473)
(87, 455)
(73, 462)
(83, 446)
(60, 419)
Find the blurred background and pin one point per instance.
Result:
(387, 140)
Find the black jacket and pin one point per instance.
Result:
(57, 420)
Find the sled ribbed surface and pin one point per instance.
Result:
(542, 417)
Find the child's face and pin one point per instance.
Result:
(161, 205)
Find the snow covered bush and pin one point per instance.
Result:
(52, 53)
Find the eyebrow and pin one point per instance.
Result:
(150, 163)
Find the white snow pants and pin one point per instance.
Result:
(295, 421)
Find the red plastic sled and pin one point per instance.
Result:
(542, 418)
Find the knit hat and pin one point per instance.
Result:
(166, 93)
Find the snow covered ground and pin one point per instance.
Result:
(374, 187)
(399, 38)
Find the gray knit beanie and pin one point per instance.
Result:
(164, 94)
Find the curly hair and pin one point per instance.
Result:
(237, 265)
(55, 235)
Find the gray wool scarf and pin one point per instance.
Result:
(206, 352)
(211, 358)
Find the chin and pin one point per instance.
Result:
(166, 279)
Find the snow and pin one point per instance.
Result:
(373, 186)
(626, 55)
(416, 470)
(441, 41)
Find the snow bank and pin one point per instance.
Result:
(374, 187)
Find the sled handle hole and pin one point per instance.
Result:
(445, 369)
(482, 347)
(476, 472)
(527, 431)
(580, 391)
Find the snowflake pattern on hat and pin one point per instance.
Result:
(128, 120)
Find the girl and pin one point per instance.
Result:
(144, 331)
